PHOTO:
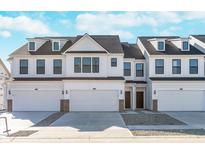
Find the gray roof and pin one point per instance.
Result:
(170, 48)
(110, 42)
(132, 51)
(200, 37)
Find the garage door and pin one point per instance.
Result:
(181, 100)
(94, 100)
(36, 100)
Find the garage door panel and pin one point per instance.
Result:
(94, 100)
(181, 100)
(36, 100)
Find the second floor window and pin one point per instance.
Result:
(159, 66)
(113, 62)
(95, 63)
(57, 66)
(56, 46)
(176, 66)
(40, 67)
(86, 65)
(139, 70)
(31, 46)
(77, 65)
(193, 66)
(127, 68)
(23, 66)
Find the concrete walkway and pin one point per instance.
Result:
(84, 125)
(192, 119)
(21, 120)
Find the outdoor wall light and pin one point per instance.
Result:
(155, 92)
(66, 91)
(9, 92)
(62, 92)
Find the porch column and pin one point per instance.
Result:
(134, 97)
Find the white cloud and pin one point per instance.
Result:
(65, 22)
(25, 24)
(166, 32)
(109, 23)
(5, 34)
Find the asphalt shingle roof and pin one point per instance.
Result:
(109, 42)
(170, 48)
(132, 51)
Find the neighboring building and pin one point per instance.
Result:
(175, 76)
(4, 75)
(100, 73)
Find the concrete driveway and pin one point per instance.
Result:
(21, 120)
(192, 119)
(85, 125)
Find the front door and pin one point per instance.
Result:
(127, 100)
(140, 99)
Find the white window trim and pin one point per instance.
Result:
(163, 47)
(182, 46)
(53, 45)
(29, 46)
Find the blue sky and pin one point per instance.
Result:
(15, 27)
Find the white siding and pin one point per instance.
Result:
(184, 66)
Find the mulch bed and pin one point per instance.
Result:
(171, 132)
(150, 119)
(23, 133)
(49, 120)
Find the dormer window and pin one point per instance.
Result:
(185, 45)
(161, 45)
(32, 46)
(56, 46)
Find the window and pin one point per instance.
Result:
(23, 66)
(77, 64)
(56, 46)
(95, 63)
(127, 69)
(139, 70)
(160, 45)
(57, 66)
(113, 62)
(159, 66)
(40, 67)
(176, 66)
(185, 45)
(87, 65)
(193, 66)
(32, 46)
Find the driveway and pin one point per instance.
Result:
(192, 119)
(21, 120)
(84, 125)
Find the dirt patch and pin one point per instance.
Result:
(150, 119)
(49, 120)
(172, 132)
(23, 133)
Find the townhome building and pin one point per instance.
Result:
(4, 76)
(101, 73)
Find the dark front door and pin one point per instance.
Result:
(127, 100)
(140, 99)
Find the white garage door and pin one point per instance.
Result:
(181, 100)
(94, 100)
(36, 100)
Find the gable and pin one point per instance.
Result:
(86, 43)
